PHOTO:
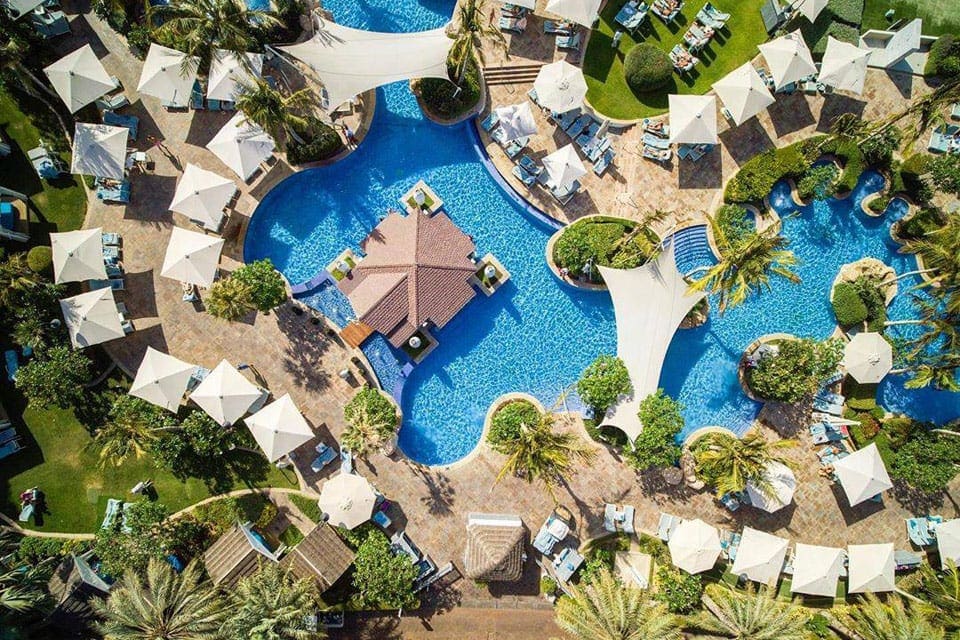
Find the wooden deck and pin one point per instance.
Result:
(355, 333)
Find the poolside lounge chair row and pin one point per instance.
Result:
(632, 15)
(683, 60)
(945, 139)
(615, 519)
(113, 100)
(132, 123)
(116, 191)
(656, 144)
(584, 130)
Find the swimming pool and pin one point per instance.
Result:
(535, 334)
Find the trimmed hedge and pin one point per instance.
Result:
(853, 163)
(815, 35)
(847, 305)
(323, 143)
(758, 175)
(849, 11)
(40, 259)
(647, 68)
(506, 422)
(442, 98)
(944, 58)
(735, 222)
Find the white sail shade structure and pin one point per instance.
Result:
(79, 78)
(168, 74)
(78, 256)
(811, 8)
(694, 546)
(225, 395)
(19, 8)
(781, 484)
(583, 12)
(560, 86)
(868, 357)
(192, 257)
(279, 428)
(862, 474)
(348, 500)
(844, 66)
(242, 145)
(228, 75)
(948, 542)
(870, 568)
(743, 92)
(816, 570)
(162, 379)
(516, 121)
(789, 59)
(351, 61)
(91, 317)
(693, 119)
(760, 556)
(202, 195)
(903, 43)
(649, 303)
(99, 150)
(564, 166)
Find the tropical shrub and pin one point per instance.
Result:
(40, 260)
(898, 429)
(647, 68)
(321, 142)
(112, 12)
(852, 159)
(138, 39)
(879, 204)
(755, 179)
(381, 578)
(921, 223)
(266, 285)
(679, 590)
(603, 382)
(272, 604)
(736, 222)
(818, 182)
(847, 305)
(193, 449)
(927, 461)
(444, 99)
(878, 149)
(506, 422)
(371, 421)
(54, 377)
(656, 444)
(874, 299)
(796, 370)
(229, 299)
(145, 531)
(944, 171)
(607, 242)
(944, 58)
(34, 550)
(728, 463)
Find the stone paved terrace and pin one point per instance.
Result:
(291, 355)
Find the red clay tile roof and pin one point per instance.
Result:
(417, 269)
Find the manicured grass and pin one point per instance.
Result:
(308, 506)
(607, 89)
(939, 16)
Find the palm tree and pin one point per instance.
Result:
(940, 252)
(164, 606)
(366, 429)
(941, 590)
(874, 619)
(471, 28)
(23, 586)
(31, 332)
(640, 235)
(16, 278)
(754, 615)
(933, 356)
(229, 299)
(133, 425)
(275, 113)
(729, 462)
(746, 266)
(605, 609)
(270, 605)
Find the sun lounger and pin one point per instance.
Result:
(119, 193)
(10, 448)
(729, 544)
(657, 128)
(657, 155)
(571, 42)
(632, 15)
(382, 519)
(906, 560)
(683, 60)
(530, 165)
(730, 501)
(532, 94)
(325, 455)
(111, 238)
(564, 120)
(596, 148)
(346, 461)
(114, 270)
(626, 524)
(833, 379)
(555, 529)
(709, 16)
(828, 407)
(113, 508)
(667, 525)
(513, 11)
(111, 252)
(579, 125)
(833, 398)
(8, 434)
(488, 123)
(601, 165)
(401, 543)
(132, 123)
(513, 25)
(514, 147)
(114, 283)
(609, 517)
(524, 176)
(923, 530)
(13, 364)
(662, 10)
(656, 142)
(565, 193)
(558, 28)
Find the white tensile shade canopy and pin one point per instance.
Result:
(816, 570)
(560, 86)
(91, 317)
(870, 567)
(79, 78)
(161, 379)
(903, 42)
(202, 195)
(844, 66)
(580, 11)
(743, 92)
(279, 428)
(694, 546)
(564, 166)
(192, 257)
(99, 150)
(811, 8)
(78, 255)
(868, 357)
(516, 120)
(351, 61)
(862, 474)
(649, 302)
(168, 74)
(781, 484)
(225, 394)
(19, 8)
(693, 119)
(788, 58)
(242, 145)
(228, 74)
(348, 500)
(760, 556)
(948, 542)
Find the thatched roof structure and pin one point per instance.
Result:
(322, 556)
(495, 547)
(236, 554)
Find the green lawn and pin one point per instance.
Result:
(939, 16)
(607, 90)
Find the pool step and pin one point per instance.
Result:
(513, 74)
(692, 249)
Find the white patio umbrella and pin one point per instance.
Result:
(99, 150)
(192, 257)
(241, 145)
(811, 8)
(564, 166)
(870, 567)
(580, 11)
(168, 74)
(788, 58)
(948, 542)
(560, 86)
(279, 428)
(79, 78)
(868, 357)
(91, 317)
(760, 556)
(77, 255)
(743, 92)
(693, 119)
(161, 379)
(202, 195)
(228, 75)
(862, 474)
(903, 42)
(516, 120)
(694, 546)
(348, 500)
(816, 570)
(844, 66)
(781, 482)
(225, 394)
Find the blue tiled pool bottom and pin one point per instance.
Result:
(330, 301)
(387, 364)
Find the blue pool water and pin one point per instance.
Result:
(536, 334)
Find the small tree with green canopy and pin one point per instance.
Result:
(382, 579)
(796, 370)
(945, 172)
(40, 260)
(603, 382)
(371, 422)
(229, 299)
(656, 445)
(266, 285)
(192, 449)
(272, 604)
(507, 421)
(54, 377)
(819, 182)
(143, 531)
(927, 461)
(132, 427)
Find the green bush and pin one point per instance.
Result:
(54, 379)
(647, 68)
(506, 422)
(381, 578)
(921, 223)
(736, 223)
(679, 590)
(818, 182)
(927, 461)
(266, 285)
(876, 303)
(849, 11)
(758, 175)
(796, 370)
(912, 172)
(33, 549)
(322, 142)
(603, 382)
(442, 98)
(853, 163)
(862, 404)
(944, 171)
(548, 586)
(40, 260)
(819, 627)
(878, 149)
(869, 425)
(113, 13)
(138, 39)
(591, 241)
(847, 305)
(879, 204)
(898, 430)
(656, 446)
(944, 58)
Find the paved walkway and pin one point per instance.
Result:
(457, 624)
